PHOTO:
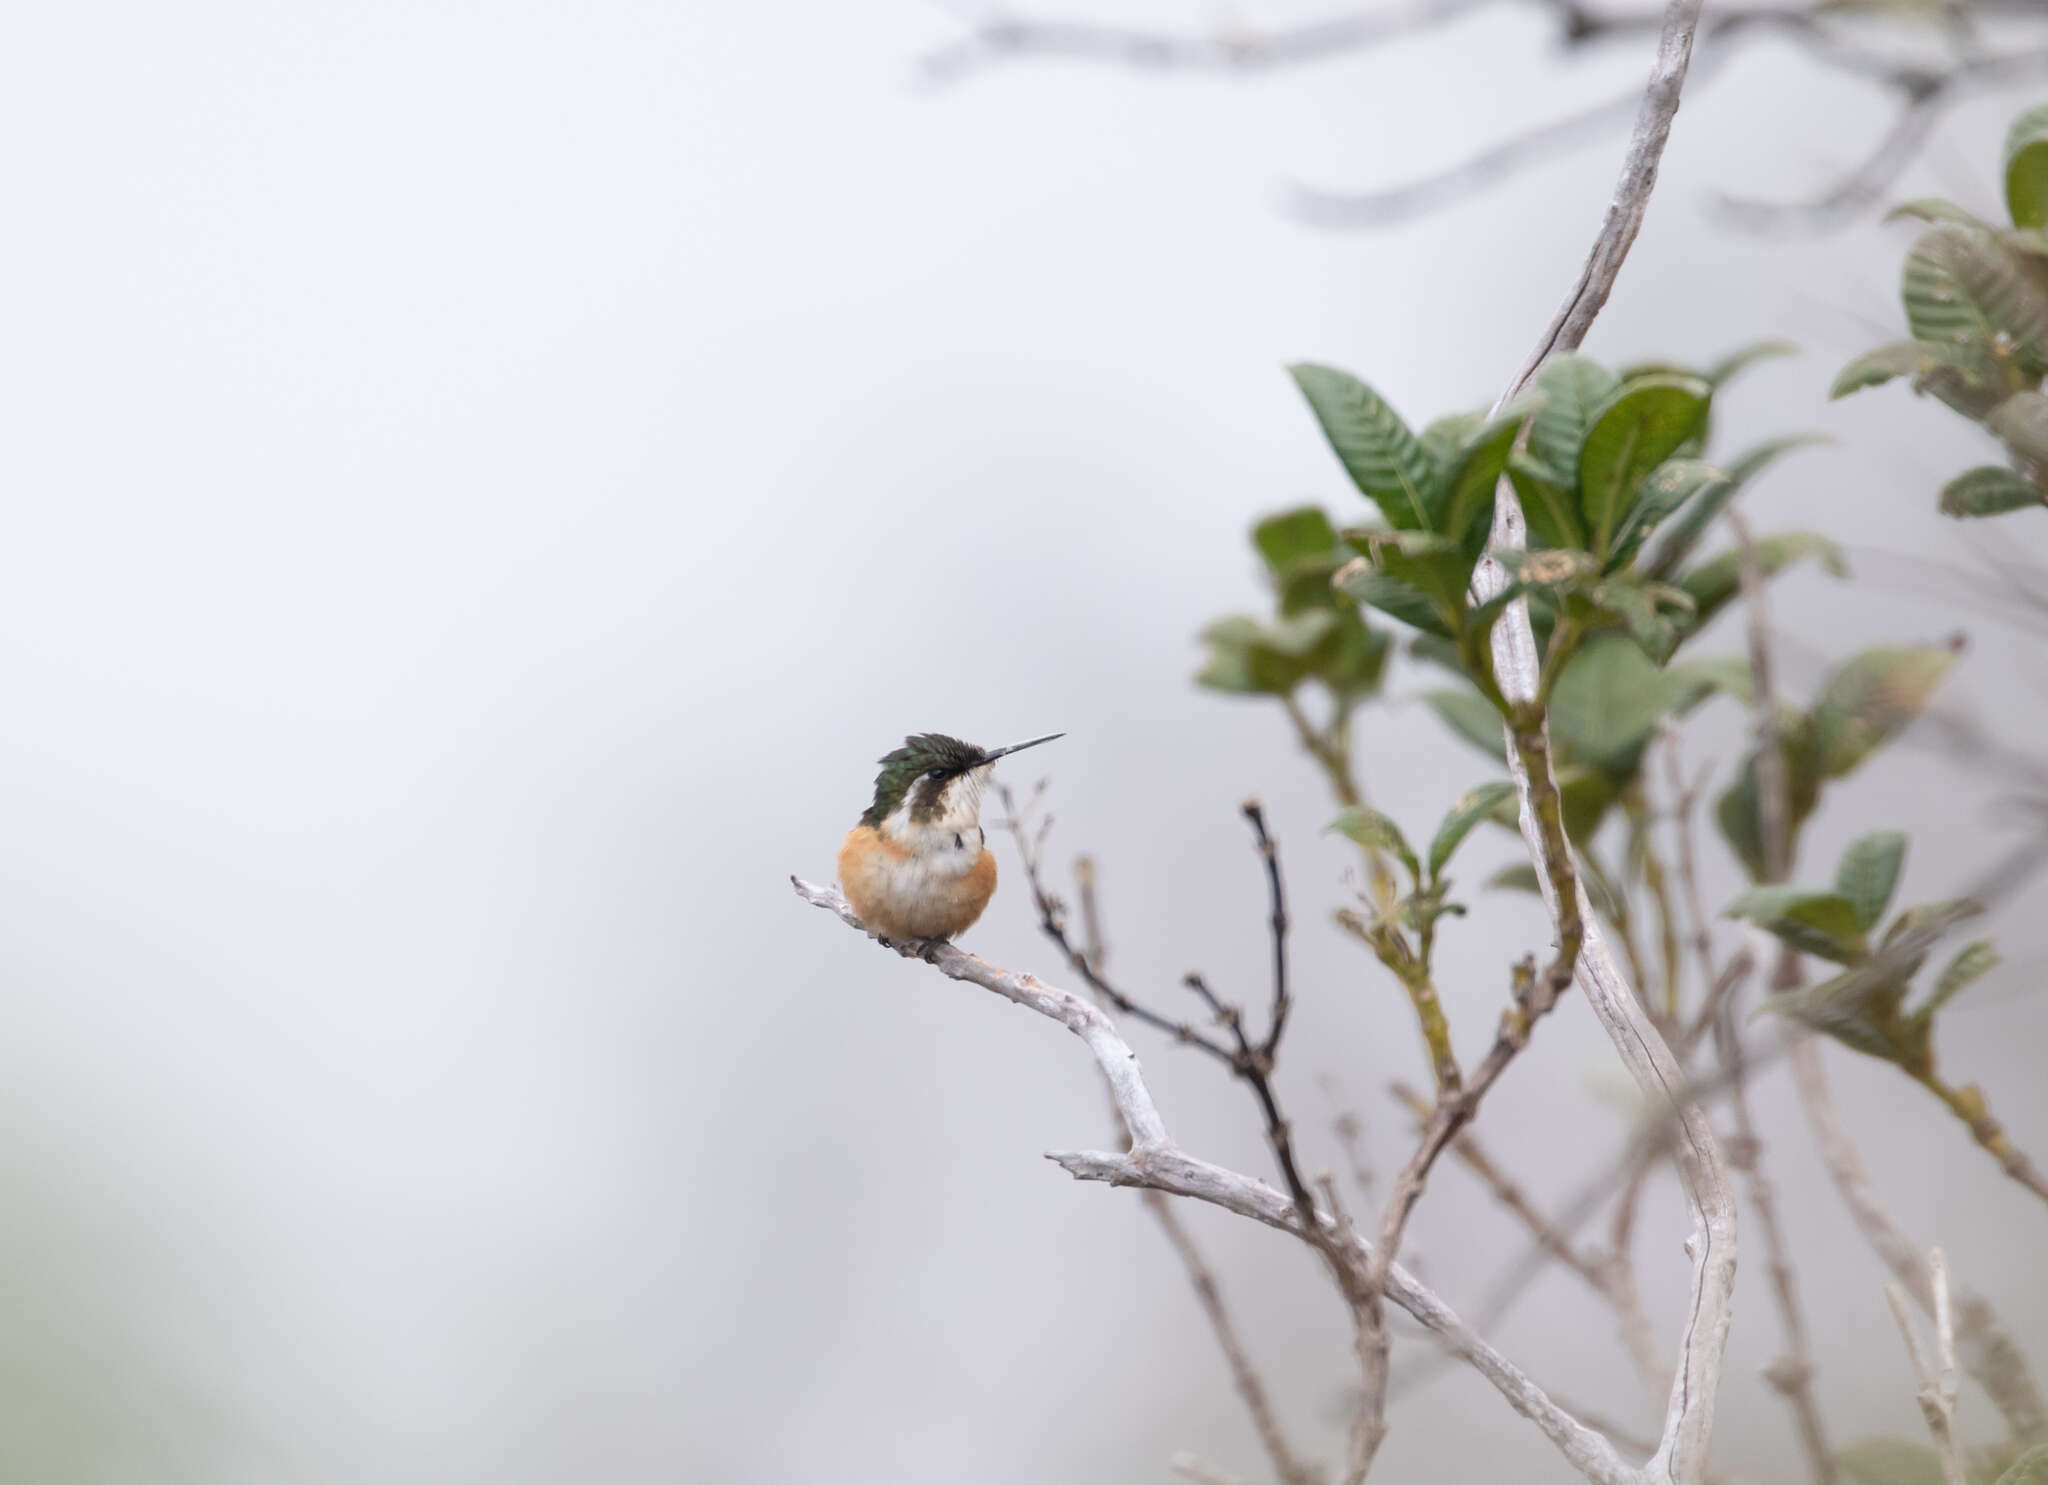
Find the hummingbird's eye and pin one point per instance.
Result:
(933, 773)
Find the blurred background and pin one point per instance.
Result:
(486, 482)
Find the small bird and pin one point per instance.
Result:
(917, 866)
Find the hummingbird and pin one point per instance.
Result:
(917, 866)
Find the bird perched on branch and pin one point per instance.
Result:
(917, 866)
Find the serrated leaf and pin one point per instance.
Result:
(1369, 584)
(1972, 962)
(2026, 168)
(1573, 389)
(1287, 536)
(1673, 484)
(1637, 429)
(1988, 490)
(1736, 362)
(1384, 459)
(1869, 872)
(1900, 358)
(1549, 503)
(1450, 433)
(1889, 1461)
(1717, 580)
(1607, 703)
(1823, 923)
(1870, 699)
(1997, 286)
(1472, 717)
(1466, 513)
(1470, 809)
(1685, 531)
(1836, 1008)
(2022, 422)
(1376, 832)
(1938, 310)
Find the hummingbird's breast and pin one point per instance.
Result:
(922, 880)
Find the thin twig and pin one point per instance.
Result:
(1936, 1379)
(1244, 1376)
(1792, 1373)
(1989, 1353)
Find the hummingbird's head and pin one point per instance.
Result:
(934, 779)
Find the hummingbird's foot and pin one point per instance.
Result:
(915, 948)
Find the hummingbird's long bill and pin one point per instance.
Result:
(995, 753)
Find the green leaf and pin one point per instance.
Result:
(1684, 533)
(1823, 923)
(2026, 168)
(1914, 358)
(1229, 665)
(1472, 717)
(1998, 287)
(1284, 653)
(1938, 310)
(1287, 536)
(1988, 490)
(1889, 1461)
(1573, 390)
(1549, 504)
(1422, 562)
(1632, 433)
(1306, 584)
(1608, 702)
(1739, 812)
(1450, 433)
(1519, 877)
(1466, 813)
(1717, 580)
(1871, 699)
(1386, 461)
(1671, 485)
(2022, 421)
(1729, 674)
(1361, 580)
(1736, 362)
(1475, 470)
(1869, 871)
(1376, 832)
(1972, 962)
(2031, 1468)
(1838, 1008)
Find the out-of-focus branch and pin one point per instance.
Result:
(1923, 94)
(1288, 1467)
(1689, 1413)
(999, 36)
(1988, 1351)
(1829, 34)
(1155, 1162)
(1791, 1373)
(1936, 1379)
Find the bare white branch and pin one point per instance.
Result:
(1689, 1414)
